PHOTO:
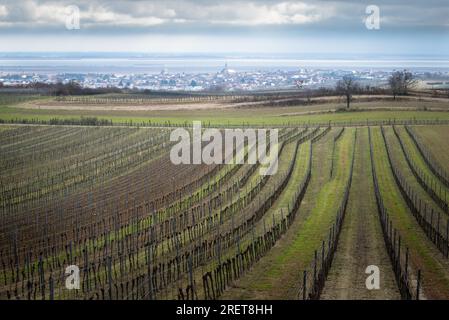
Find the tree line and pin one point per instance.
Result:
(399, 83)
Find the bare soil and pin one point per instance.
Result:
(315, 102)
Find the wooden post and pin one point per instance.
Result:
(418, 284)
(447, 239)
(314, 271)
(304, 285)
(109, 262)
(191, 273)
(406, 264)
(399, 251)
(51, 284)
(322, 256)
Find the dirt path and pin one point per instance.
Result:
(361, 243)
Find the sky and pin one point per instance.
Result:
(406, 28)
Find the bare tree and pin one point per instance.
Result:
(395, 83)
(401, 82)
(347, 86)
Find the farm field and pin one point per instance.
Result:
(296, 112)
(353, 189)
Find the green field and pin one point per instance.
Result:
(320, 113)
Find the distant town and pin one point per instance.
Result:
(226, 79)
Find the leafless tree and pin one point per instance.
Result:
(347, 87)
(401, 82)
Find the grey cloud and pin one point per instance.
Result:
(101, 15)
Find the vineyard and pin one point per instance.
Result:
(108, 200)
(224, 159)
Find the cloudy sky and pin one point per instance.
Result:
(413, 27)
